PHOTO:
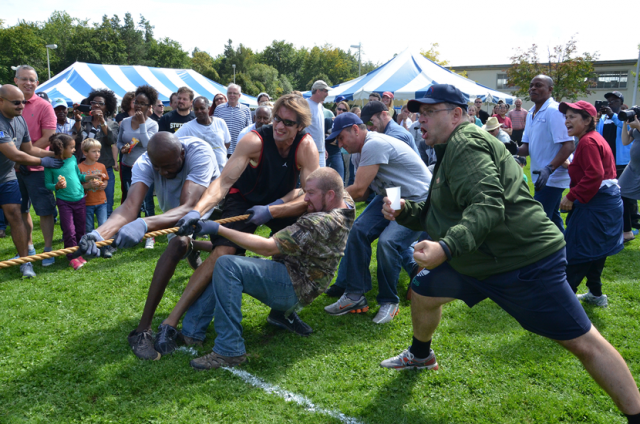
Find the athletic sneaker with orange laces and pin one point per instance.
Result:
(344, 305)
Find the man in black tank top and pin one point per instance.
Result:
(260, 179)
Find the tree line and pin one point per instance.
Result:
(278, 69)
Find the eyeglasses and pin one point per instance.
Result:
(432, 112)
(136, 103)
(24, 79)
(341, 109)
(93, 103)
(286, 122)
(15, 102)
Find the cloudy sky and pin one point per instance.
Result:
(468, 33)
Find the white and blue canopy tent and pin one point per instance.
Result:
(78, 80)
(408, 76)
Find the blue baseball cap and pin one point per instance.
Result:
(342, 121)
(58, 102)
(439, 93)
(340, 99)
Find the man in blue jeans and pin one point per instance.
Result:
(546, 140)
(384, 162)
(305, 258)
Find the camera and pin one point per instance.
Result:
(600, 104)
(83, 108)
(629, 114)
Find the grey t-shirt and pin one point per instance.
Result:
(316, 129)
(200, 166)
(400, 166)
(11, 131)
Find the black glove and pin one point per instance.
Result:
(512, 147)
(187, 223)
(543, 177)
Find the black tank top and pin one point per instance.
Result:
(274, 176)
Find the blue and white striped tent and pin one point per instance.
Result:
(76, 82)
(408, 76)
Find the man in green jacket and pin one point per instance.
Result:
(490, 239)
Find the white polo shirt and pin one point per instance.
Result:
(545, 134)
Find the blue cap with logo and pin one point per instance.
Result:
(339, 99)
(439, 93)
(342, 121)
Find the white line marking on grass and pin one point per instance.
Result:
(290, 397)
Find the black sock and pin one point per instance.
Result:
(420, 349)
(633, 419)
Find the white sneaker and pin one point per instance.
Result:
(150, 243)
(386, 313)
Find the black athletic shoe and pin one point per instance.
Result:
(334, 291)
(293, 323)
(142, 345)
(166, 339)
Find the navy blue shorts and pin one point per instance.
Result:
(10, 193)
(34, 192)
(538, 296)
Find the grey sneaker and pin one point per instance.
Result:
(386, 313)
(142, 345)
(344, 305)
(406, 361)
(594, 300)
(27, 270)
(214, 361)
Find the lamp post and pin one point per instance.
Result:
(50, 46)
(234, 73)
(359, 47)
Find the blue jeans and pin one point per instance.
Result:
(110, 190)
(100, 212)
(408, 262)
(263, 279)
(3, 222)
(550, 198)
(393, 239)
(336, 162)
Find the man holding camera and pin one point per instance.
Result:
(610, 127)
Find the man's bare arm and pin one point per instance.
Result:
(247, 149)
(364, 176)
(565, 151)
(260, 245)
(43, 142)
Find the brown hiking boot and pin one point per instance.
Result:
(213, 361)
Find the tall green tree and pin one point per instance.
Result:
(204, 64)
(573, 74)
(22, 45)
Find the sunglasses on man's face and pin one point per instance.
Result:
(15, 102)
(286, 122)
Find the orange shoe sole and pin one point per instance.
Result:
(359, 311)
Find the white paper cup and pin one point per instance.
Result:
(393, 193)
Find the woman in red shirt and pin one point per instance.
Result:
(594, 223)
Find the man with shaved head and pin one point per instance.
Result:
(211, 129)
(546, 140)
(16, 148)
(181, 168)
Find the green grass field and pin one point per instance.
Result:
(64, 356)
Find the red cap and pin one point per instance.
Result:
(388, 94)
(580, 105)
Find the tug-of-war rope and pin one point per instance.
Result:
(61, 252)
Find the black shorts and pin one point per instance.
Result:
(235, 205)
(538, 296)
